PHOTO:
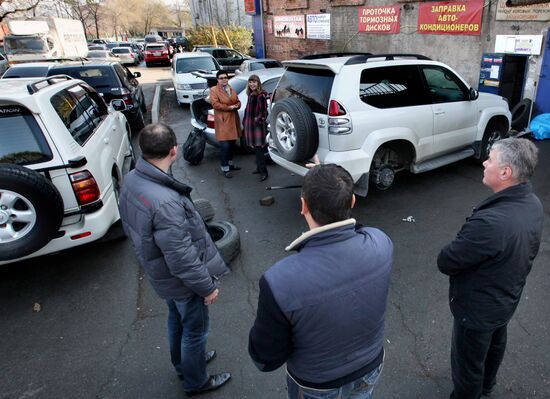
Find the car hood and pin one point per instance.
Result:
(187, 78)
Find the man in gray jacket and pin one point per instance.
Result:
(321, 311)
(176, 252)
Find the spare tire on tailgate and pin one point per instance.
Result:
(31, 211)
(294, 129)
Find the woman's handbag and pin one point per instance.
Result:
(193, 148)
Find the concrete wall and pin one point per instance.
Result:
(460, 52)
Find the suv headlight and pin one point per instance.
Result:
(183, 86)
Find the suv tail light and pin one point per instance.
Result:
(127, 98)
(335, 109)
(85, 187)
(132, 55)
(210, 121)
(164, 52)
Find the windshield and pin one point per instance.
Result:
(120, 50)
(186, 65)
(23, 45)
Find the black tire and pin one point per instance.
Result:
(226, 237)
(205, 209)
(143, 106)
(493, 132)
(147, 64)
(138, 122)
(116, 231)
(22, 189)
(520, 114)
(294, 129)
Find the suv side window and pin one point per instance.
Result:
(76, 110)
(123, 74)
(443, 85)
(313, 86)
(392, 87)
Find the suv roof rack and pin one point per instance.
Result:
(33, 87)
(331, 55)
(360, 59)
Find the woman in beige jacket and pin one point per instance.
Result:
(228, 125)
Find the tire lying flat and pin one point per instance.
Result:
(205, 209)
(226, 237)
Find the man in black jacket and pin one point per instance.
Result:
(488, 263)
(321, 310)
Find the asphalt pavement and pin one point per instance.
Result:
(99, 330)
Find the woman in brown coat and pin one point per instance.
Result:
(228, 125)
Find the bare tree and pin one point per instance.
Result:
(77, 9)
(8, 7)
(94, 13)
(181, 13)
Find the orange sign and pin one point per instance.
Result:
(250, 7)
(451, 17)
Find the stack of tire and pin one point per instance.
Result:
(225, 234)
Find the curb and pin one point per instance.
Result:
(156, 105)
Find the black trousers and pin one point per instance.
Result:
(475, 359)
(260, 159)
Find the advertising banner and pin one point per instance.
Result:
(451, 17)
(291, 26)
(532, 12)
(318, 26)
(250, 7)
(379, 19)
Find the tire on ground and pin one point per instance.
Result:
(520, 114)
(306, 135)
(226, 237)
(205, 209)
(24, 192)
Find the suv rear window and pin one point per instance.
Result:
(26, 72)
(155, 47)
(311, 85)
(96, 77)
(21, 140)
(123, 50)
(392, 87)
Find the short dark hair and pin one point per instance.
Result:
(328, 192)
(156, 140)
(221, 72)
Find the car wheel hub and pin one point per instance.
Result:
(385, 177)
(17, 216)
(285, 131)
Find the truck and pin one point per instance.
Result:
(44, 40)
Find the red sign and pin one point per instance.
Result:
(250, 7)
(451, 17)
(379, 19)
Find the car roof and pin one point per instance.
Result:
(119, 48)
(192, 55)
(263, 74)
(336, 64)
(261, 60)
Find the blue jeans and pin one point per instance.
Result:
(188, 326)
(361, 388)
(226, 154)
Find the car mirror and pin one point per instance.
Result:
(137, 74)
(118, 105)
(474, 94)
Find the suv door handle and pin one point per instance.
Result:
(439, 112)
(106, 140)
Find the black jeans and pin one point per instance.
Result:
(475, 359)
(260, 159)
(226, 154)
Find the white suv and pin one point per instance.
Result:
(376, 115)
(63, 155)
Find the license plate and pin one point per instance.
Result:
(195, 96)
(158, 54)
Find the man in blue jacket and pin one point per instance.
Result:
(176, 252)
(321, 311)
(488, 263)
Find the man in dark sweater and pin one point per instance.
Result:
(321, 311)
(488, 263)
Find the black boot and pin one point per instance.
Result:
(214, 382)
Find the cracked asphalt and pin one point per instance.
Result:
(101, 329)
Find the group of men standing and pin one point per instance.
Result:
(321, 310)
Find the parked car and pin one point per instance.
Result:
(102, 55)
(187, 86)
(135, 49)
(182, 42)
(202, 114)
(199, 47)
(29, 70)
(92, 47)
(112, 81)
(376, 115)
(63, 157)
(3, 64)
(156, 53)
(152, 38)
(257, 64)
(125, 55)
(100, 41)
(228, 58)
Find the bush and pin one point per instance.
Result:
(240, 37)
